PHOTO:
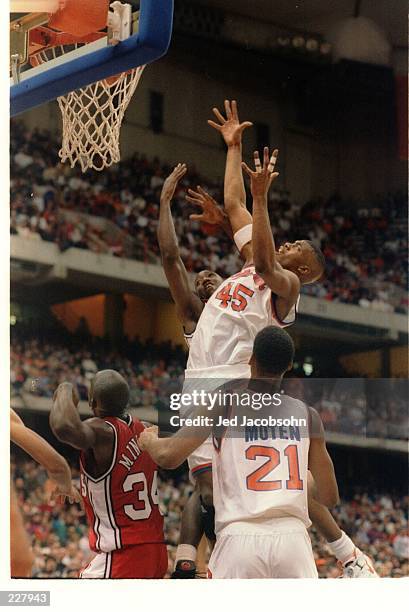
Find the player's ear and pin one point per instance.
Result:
(290, 366)
(303, 270)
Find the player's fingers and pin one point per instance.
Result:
(76, 495)
(153, 429)
(266, 158)
(273, 177)
(246, 169)
(273, 160)
(194, 201)
(195, 217)
(203, 192)
(214, 125)
(194, 194)
(257, 161)
(227, 108)
(245, 125)
(234, 110)
(219, 115)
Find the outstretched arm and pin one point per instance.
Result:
(42, 452)
(282, 282)
(171, 452)
(231, 130)
(234, 192)
(188, 304)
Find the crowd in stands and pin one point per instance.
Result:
(376, 408)
(377, 523)
(365, 243)
(39, 365)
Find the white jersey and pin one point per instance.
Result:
(260, 470)
(231, 319)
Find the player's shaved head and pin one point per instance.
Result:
(303, 258)
(318, 268)
(109, 393)
(273, 352)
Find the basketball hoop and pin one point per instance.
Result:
(92, 116)
(92, 119)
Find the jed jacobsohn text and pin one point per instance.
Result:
(244, 421)
(222, 398)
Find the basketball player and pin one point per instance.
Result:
(189, 305)
(198, 513)
(225, 336)
(59, 472)
(292, 257)
(259, 473)
(118, 480)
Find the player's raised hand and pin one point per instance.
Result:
(212, 212)
(262, 177)
(147, 437)
(230, 127)
(71, 389)
(171, 182)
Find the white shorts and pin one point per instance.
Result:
(200, 460)
(208, 380)
(280, 554)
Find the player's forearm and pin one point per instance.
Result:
(226, 226)
(167, 239)
(170, 453)
(163, 453)
(234, 191)
(322, 470)
(263, 245)
(65, 421)
(41, 451)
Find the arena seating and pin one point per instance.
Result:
(378, 524)
(155, 370)
(365, 243)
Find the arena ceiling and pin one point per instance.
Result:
(319, 15)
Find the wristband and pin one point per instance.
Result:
(243, 236)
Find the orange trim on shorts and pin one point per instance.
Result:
(199, 469)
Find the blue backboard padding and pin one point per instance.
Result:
(151, 42)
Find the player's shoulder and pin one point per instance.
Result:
(100, 425)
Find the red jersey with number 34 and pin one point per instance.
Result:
(122, 505)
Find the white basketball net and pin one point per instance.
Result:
(92, 116)
(92, 119)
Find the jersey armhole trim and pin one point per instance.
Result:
(282, 322)
(105, 474)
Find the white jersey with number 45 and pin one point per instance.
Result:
(231, 319)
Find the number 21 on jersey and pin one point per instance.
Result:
(255, 481)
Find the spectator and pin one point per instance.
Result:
(365, 244)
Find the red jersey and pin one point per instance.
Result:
(122, 505)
